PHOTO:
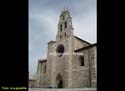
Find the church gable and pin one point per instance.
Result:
(79, 43)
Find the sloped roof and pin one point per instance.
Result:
(85, 47)
(82, 40)
(42, 60)
(51, 41)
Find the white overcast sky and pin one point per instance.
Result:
(43, 21)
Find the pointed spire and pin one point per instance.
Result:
(67, 8)
(64, 9)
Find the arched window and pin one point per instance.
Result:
(65, 34)
(44, 68)
(60, 27)
(65, 24)
(81, 59)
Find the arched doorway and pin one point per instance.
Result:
(59, 81)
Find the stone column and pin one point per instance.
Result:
(49, 63)
(70, 62)
(38, 75)
(53, 72)
(52, 56)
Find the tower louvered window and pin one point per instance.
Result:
(65, 25)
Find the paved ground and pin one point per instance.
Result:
(64, 89)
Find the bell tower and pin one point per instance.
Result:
(65, 28)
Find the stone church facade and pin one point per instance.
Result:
(71, 61)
